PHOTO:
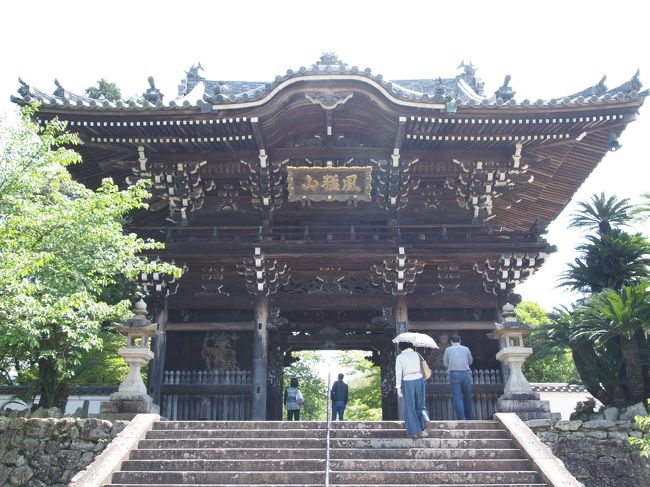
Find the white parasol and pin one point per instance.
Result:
(416, 339)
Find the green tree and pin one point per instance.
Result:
(61, 247)
(104, 91)
(311, 385)
(550, 362)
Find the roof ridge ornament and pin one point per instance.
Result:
(153, 94)
(60, 91)
(330, 59)
(505, 92)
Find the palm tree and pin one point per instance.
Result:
(602, 213)
(609, 261)
(624, 317)
(607, 329)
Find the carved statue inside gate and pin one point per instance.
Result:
(218, 351)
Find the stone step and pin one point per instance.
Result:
(237, 477)
(400, 465)
(254, 425)
(319, 453)
(518, 484)
(335, 425)
(449, 425)
(421, 443)
(300, 465)
(433, 433)
(279, 465)
(426, 453)
(383, 477)
(318, 433)
(376, 478)
(237, 433)
(227, 453)
(235, 443)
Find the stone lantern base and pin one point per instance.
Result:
(526, 406)
(126, 407)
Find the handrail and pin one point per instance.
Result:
(328, 412)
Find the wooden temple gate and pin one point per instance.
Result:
(330, 209)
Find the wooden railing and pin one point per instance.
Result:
(226, 394)
(206, 395)
(217, 376)
(487, 387)
(338, 233)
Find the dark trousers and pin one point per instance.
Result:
(461, 393)
(338, 408)
(293, 414)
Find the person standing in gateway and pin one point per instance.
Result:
(457, 359)
(293, 400)
(339, 396)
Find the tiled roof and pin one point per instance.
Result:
(465, 90)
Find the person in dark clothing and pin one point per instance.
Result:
(339, 396)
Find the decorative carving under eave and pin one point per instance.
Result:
(447, 279)
(397, 274)
(503, 274)
(328, 100)
(394, 182)
(180, 184)
(159, 285)
(263, 276)
(264, 183)
(480, 186)
(320, 285)
(213, 279)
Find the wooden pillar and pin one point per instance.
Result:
(389, 410)
(401, 313)
(276, 374)
(159, 347)
(260, 357)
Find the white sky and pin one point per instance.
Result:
(551, 48)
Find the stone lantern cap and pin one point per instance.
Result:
(510, 325)
(138, 323)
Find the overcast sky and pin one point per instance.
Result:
(551, 48)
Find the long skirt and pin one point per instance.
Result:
(415, 409)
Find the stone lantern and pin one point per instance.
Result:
(518, 395)
(131, 397)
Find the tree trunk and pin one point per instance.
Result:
(583, 356)
(633, 371)
(47, 377)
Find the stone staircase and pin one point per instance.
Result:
(274, 453)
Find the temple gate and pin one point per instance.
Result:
(330, 209)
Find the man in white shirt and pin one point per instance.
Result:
(410, 387)
(457, 359)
